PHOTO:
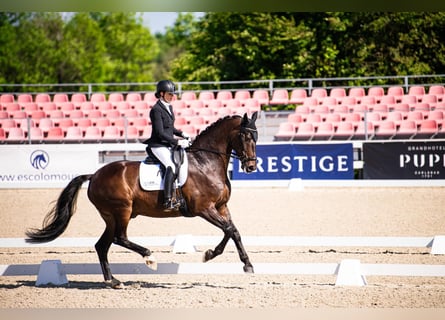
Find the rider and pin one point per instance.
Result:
(162, 141)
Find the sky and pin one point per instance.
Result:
(157, 21)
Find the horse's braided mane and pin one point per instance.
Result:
(214, 124)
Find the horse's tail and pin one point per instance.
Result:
(59, 216)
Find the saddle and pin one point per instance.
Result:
(152, 171)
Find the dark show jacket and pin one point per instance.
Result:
(163, 129)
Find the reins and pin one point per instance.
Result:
(232, 155)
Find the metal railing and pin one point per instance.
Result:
(270, 84)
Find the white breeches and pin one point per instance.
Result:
(165, 156)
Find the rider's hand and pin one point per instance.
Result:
(184, 143)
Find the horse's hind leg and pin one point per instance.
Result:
(102, 246)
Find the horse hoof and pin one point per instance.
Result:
(115, 284)
(151, 262)
(248, 269)
(208, 255)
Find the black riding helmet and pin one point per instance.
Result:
(165, 86)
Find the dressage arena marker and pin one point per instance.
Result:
(296, 184)
(183, 243)
(51, 272)
(438, 245)
(350, 274)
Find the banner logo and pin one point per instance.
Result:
(39, 159)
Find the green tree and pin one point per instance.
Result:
(130, 47)
(85, 59)
(234, 46)
(172, 44)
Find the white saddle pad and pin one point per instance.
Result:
(150, 176)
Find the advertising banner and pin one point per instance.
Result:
(305, 161)
(404, 160)
(43, 166)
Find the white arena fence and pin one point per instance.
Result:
(349, 272)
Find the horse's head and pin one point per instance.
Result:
(245, 143)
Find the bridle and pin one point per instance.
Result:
(242, 158)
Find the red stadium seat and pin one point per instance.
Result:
(224, 96)
(150, 98)
(364, 131)
(286, 132)
(305, 131)
(279, 97)
(65, 123)
(12, 107)
(358, 93)
(7, 98)
(78, 99)
(84, 123)
(417, 91)
(297, 96)
(97, 98)
(262, 96)
(377, 93)
(396, 92)
(60, 98)
(349, 101)
(295, 118)
(415, 116)
(111, 133)
(314, 118)
(395, 117)
(338, 94)
(406, 130)
(427, 129)
(16, 134)
(431, 99)
(42, 98)
(7, 124)
(92, 134)
(369, 100)
(319, 93)
(242, 96)
(342, 110)
(74, 134)
(438, 91)
(24, 98)
(2, 134)
(386, 130)
(325, 131)
(354, 118)
(333, 118)
(345, 131)
(55, 134)
(188, 97)
(252, 105)
(133, 97)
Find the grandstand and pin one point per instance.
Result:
(322, 113)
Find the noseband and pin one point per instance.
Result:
(243, 158)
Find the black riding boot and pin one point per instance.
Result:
(168, 189)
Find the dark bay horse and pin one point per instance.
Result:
(115, 191)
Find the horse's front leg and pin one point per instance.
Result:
(230, 232)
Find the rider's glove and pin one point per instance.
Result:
(184, 143)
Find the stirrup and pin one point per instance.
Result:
(170, 205)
